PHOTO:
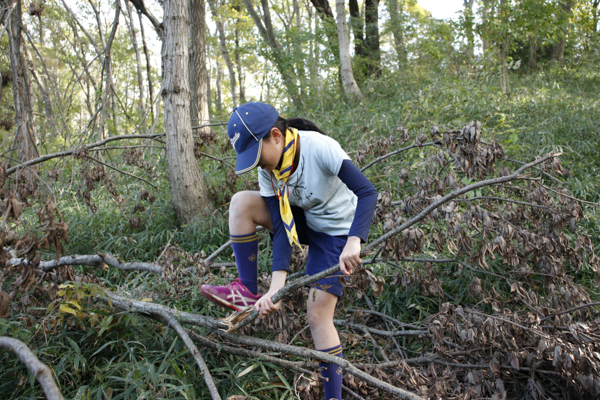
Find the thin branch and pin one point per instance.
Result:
(341, 322)
(70, 152)
(397, 152)
(569, 310)
(506, 200)
(41, 372)
(170, 318)
(543, 173)
(510, 322)
(566, 195)
(94, 260)
(122, 172)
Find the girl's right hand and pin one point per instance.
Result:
(265, 305)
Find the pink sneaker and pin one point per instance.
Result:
(235, 295)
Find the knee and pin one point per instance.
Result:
(240, 203)
(315, 317)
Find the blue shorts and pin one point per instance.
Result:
(323, 252)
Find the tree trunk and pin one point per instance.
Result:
(532, 52)
(138, 58)
(197, 64)
(238, 64)
(26, 137)
(223, 44)
(558, 50)
(350, 87)
(148, 67)
(397, 26)
(372, 33)
(188, 189)
(298, 53)
(469, 27)
(329, 25)
(356, 22)
(219, 83)
(595, 15)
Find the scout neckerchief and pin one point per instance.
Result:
(282, 174)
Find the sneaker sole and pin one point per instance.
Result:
(220, 301)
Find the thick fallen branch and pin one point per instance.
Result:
(152, 310)
(306, 280)
(94, 260)
(41, 372)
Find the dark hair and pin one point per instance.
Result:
(299, 123)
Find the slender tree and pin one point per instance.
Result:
(138, 57)
(214, 9)
(348, 82)
(26, 137)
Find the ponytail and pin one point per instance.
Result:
(299, 123)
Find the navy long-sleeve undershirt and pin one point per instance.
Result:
(367, 199)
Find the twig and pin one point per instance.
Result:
(42, 373)
(122, 172)
(94, 260)
(379, 331)
(217, 159)
(569, 310)
(211, 124)
(566, 195)
(507, 200)
(544, 173)
(510, 322)
(394, 320)
(398, 151)
(166, 247)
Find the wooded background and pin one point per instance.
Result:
(481, 135)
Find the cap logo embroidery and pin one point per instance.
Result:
(234, 138)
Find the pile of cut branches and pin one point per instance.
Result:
(492, 243)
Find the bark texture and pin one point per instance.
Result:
(197, 64)
(348, 82)
(188, 189)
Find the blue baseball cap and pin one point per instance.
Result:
(247, 126)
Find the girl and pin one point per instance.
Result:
(310, 193)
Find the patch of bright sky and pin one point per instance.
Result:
(442, 9)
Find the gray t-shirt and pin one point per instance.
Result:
(314, 186)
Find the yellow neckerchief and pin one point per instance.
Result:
(282, 174)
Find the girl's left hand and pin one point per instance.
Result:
(350, 256)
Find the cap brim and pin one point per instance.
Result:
(249, 158)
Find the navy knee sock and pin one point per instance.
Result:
(245, 248)
(332, 375)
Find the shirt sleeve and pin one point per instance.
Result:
(329, 155)
(367, 199)
(264, 183)
(282, 250)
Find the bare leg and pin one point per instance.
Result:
(321, 307)
(246, 210)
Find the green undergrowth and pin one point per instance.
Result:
(125, 356)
